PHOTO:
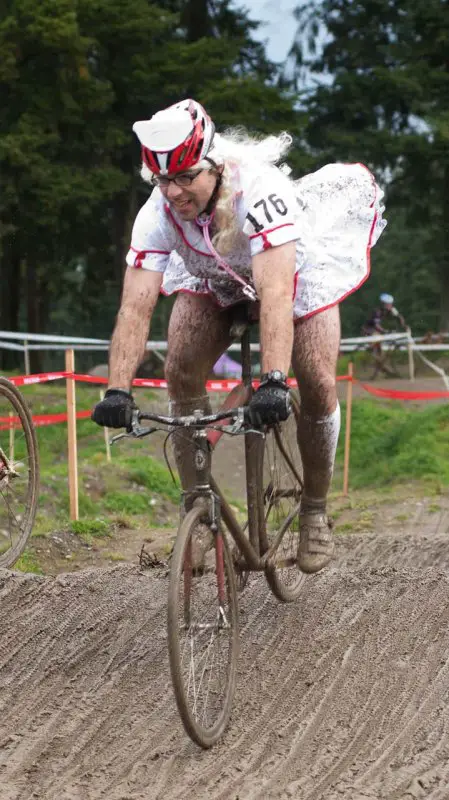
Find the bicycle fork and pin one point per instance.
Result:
(204, 492)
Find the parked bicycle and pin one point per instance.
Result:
(19, 473)
(203, 619)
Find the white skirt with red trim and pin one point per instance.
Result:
(340, 219)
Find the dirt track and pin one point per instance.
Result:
(354, 683)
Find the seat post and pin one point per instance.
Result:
(246, 358)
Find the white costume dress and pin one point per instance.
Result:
(334, 215)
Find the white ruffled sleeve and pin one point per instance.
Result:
(152, 238)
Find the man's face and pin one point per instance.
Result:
(189, 201)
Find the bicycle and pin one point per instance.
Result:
(383, 355)
(202, 620)
(19, 473)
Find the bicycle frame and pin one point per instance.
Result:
(207, 487)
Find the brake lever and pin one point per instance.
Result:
(118, 436)
(239, 425)
(137, 430)
(236, 426)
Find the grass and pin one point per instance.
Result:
(392, 443)
(125, 503)
(363, 522)
(133, 490)
(90, 527)
(152, 475)
(28, 562)
(127, 485)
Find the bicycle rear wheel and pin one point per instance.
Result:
(282, 487)
(19, 473)
(203, 636)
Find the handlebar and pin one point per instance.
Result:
(195, 420)
(237, 417)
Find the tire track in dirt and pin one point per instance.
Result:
(380, 706)
(353, 697)
(272, 669)
(305, 728)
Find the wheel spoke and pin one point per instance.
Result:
(11, 514)
(203, 630)
(281, 493)
(19, 472)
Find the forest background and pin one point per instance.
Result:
(364, 81)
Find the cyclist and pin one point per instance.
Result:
(385, 313)
(225, 225)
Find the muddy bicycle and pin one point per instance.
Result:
(205, 572)
(19, 473)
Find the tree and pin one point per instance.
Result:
(54, 168)
(75, 75)
(383, 97)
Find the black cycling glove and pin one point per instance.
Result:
(269, 404)
(115, 410)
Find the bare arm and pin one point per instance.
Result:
(273, 273)
(140, 293)
(396, 315)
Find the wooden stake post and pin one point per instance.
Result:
(26, 354)
(411, 360)
(71, 430)
(348, 430)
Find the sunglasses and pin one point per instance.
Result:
(182, 180)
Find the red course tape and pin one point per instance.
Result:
(394, 394)
(218, 385)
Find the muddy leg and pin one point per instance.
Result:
(198, 334)
(377, 357)
(314, 358)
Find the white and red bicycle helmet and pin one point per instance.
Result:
(175, 139)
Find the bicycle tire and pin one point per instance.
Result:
(19, 470)
(282, 487)
(191, 618)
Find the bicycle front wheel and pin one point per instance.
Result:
(203, 635)
(19, 473)
(282, 487)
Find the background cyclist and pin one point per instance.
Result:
(384, 317)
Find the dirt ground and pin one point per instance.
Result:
(343, 694)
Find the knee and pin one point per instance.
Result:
(318, 393)
(184, 379)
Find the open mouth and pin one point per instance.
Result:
(184, 205)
